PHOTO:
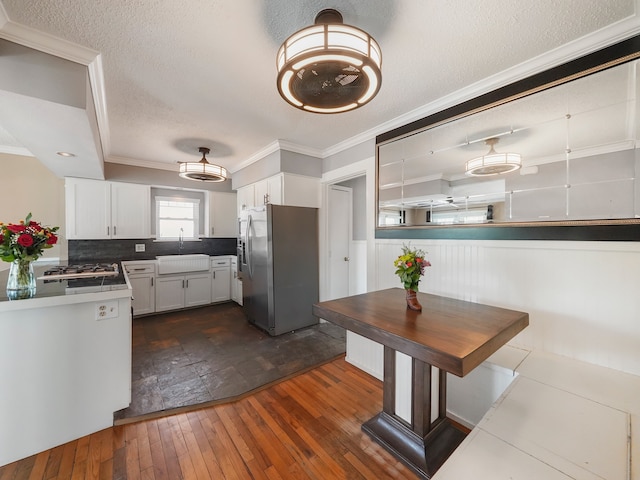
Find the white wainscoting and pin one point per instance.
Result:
(583, 298)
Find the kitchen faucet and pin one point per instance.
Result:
(181, 241)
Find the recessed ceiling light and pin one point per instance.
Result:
(65, 154)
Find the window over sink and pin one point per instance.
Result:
(172, 209)
(176, 218)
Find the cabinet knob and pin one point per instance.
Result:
(346, 259)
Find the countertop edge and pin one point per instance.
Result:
(54, 301)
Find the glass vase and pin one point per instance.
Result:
(21, 282)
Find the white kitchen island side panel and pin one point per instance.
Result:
(62, 372)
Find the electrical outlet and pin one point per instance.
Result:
(106, 310)
(140, 247)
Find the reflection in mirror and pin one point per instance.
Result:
(576, 144)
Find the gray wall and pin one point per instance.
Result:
(362, 151)
(116, 172)
(358, 185)
(277, 162)
(32, 73)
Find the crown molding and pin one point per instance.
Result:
(61, 48)
(301, 149)
(21, 151)
(32, 38)
(135, 162)
(276, 146)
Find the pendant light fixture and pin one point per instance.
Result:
(329, 67)
(493, 163)
(203, 170)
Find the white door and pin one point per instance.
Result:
(340, 234)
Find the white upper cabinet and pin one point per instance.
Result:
(281, 189)
(246, 197)
(87, 209)
(101, 210)
(223, 219)
(130, 210)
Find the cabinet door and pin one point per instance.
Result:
(234, 280)
(169, 292)
(221, 284)
(144, 294)
(130, 210)
(87, 204)
(274, 189)
(261, 192)
(246, 197)
(223, 217)
(197, 289)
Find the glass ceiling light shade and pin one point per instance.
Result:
(493, 163)
(203, 170)
(329, 67)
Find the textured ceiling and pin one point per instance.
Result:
(190, 73)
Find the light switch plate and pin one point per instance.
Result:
(140, 247)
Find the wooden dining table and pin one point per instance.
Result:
(447, 336)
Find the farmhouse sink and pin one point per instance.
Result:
(182, 263)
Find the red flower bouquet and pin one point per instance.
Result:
(26, 240)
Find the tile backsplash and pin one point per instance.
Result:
(104, 251)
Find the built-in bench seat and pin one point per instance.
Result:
(559, 419)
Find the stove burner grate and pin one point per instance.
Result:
(66, 272)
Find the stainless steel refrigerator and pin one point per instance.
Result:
(279, 266)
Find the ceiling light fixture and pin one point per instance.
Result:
(493, 163)
(203, 170)
(329, 67)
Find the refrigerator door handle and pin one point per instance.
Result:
(248, 244)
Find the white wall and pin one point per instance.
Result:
(582, 297)
(28, 186)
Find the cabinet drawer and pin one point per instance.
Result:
(220, 262)
(139, 268)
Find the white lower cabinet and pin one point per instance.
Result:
(236, 283)
(142, 279)
(221, 279)
(179, 291)
(143, 300)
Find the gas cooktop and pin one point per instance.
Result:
(93, 270)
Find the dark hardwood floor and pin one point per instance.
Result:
(202, 356)
(306, 427)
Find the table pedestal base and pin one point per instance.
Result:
(422, 455)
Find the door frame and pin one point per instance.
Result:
(361, 168)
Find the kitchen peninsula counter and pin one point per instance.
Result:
(65, 364)
(53, 292)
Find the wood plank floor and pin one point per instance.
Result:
(306, 427)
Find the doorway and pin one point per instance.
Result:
(347, 243)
